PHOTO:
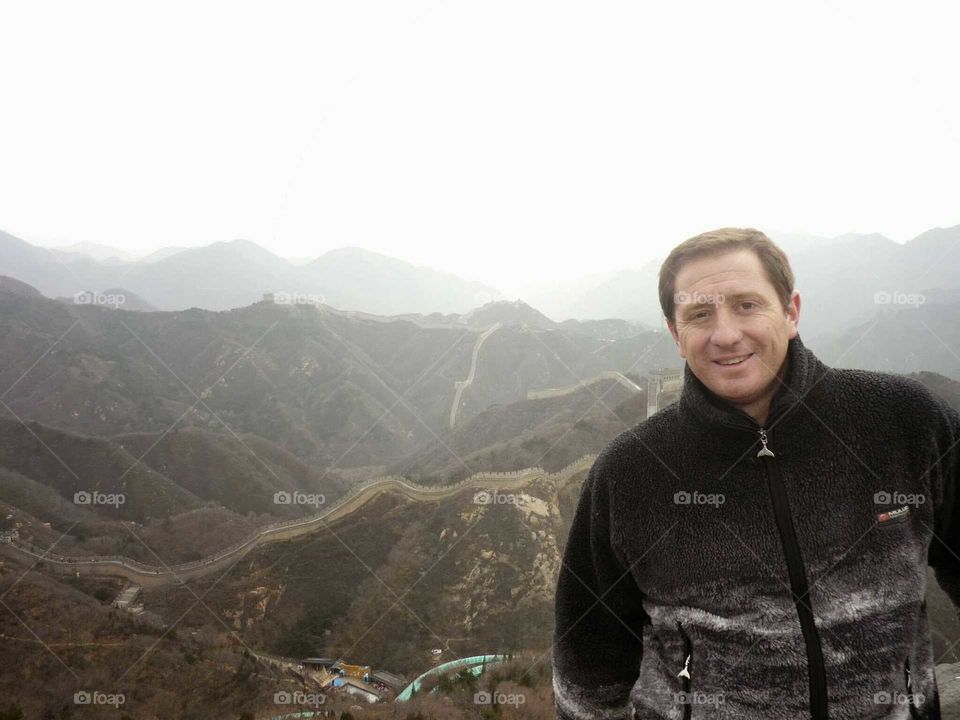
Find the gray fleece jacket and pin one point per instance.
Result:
(717, 569)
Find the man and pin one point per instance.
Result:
(759, 548)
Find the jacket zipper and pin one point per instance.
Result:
(914, 712)
(685, 672)
(798, 577)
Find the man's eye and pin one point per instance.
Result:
(748, 302)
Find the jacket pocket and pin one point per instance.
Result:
(684, 673)
(908, 684)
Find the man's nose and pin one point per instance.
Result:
(725, 327)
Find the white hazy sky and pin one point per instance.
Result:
(509, 142)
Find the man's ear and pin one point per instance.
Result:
(793, 313)
(673, 331)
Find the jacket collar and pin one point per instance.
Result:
(702, 406)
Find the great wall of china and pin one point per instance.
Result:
(570, 389)
(158, 575)
(462, 385)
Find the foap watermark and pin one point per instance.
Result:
(486, 697)
(282, 297)
(899, 298)
(698, 698)
(88, 297)
(898, 498)
(95, 497)
(283, 497)
(96, 697)
(298, 697)
(898, 698)
(697, 298)
(485, 497)
(682, 497)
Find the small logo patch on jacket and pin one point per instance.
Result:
(891, 516)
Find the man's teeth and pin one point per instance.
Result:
(734, 362)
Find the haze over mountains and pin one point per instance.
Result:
(226, 275)
(846, 283)
(837, 278)
(310, 378)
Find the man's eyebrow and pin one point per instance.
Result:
(734, 297)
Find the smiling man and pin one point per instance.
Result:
(759, 548)
(733, 325)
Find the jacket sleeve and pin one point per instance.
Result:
(599, 618)
(944, 551)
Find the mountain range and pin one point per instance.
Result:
(843, 281)
(232, 274)
(330, 387)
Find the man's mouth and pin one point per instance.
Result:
(740, 359)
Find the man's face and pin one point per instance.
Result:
(726, 308)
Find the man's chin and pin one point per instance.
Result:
(738, 391)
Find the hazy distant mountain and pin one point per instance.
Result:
(232, 274)
(218, 276)
(507, 312)
(51, 275)
(515, 312)
(300, 260)
(13, 285)
(899, 339)
(608, 329)
(945, 387)
(161, 254)
(633, 294)
(629, 293)
(358, 279)
(553, 297)
(102, 253)
(116, 298)
(36, 266)
(843, 281)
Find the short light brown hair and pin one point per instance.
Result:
(718, 242)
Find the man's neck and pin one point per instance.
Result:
(759, 409)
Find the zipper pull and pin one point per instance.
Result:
(685, 672)
(764, 450)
